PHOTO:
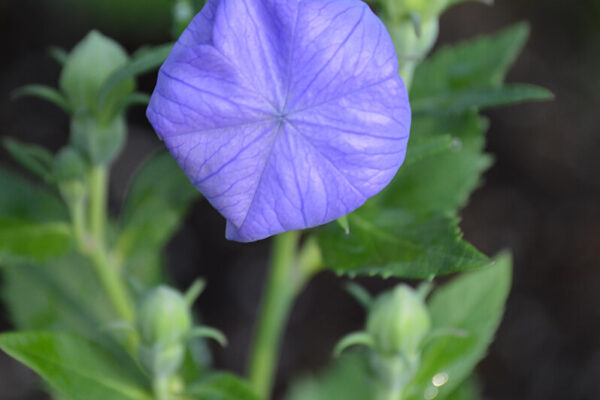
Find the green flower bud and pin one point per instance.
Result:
(100, 141)
(164, 317)
(399, 321)
(162, 361)
(88, 67)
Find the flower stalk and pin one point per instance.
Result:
(289, 271)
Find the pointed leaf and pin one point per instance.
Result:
(465, 100)
(43, 92)
(444, 181)
(144, 61)
(35, 158)
(393, 242)
(76, 368)
(58, 54)
(474, 303)
(478, 63)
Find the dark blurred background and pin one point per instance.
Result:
(541, 199)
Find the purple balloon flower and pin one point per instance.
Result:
(285, 114)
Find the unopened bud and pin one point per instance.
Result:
(399, 321)
(164, 317)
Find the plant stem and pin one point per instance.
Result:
(160, 386)
(98, 202)
(77, 209)
(113, 285)
(107, 272)
(284, 282)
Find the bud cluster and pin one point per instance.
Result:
(397, 327)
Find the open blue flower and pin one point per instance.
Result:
(285, 114)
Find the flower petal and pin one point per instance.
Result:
(285, 114)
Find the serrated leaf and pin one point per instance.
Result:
(473, 303)
(35, 158)
(423, 147)
(478, 63)
(156, 202)
(393, 242)
(478, 99)
(222, 386)
(43, 92)
(348, 379)
(443, 181)
(76, 368)
(23, 240)
(143, 61)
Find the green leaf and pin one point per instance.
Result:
(408, 229)
(394, 242)
(35, 158)
(58, 54)
(222, 386)
(468, 390)
(423, 147)
(20, 199)
(473, 303)
(479, 63)
(348, 379)
(88, 68)
(143, 61)
(76, 368)
(465, 100)
(157, 200)
(443, 181)
(22, 240)
(68, 296)
(43, 92)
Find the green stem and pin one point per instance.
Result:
(113, 285)
(107, 272)
(160, 386)
(98, 202)
(77, 209)
(284, 283)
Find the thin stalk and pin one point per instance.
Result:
(160, 386)
(284, 283)
(113, 284)
(77, 209)
(98, 202)
(106, 270)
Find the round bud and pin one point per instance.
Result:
(399, 321)
(164, 317)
